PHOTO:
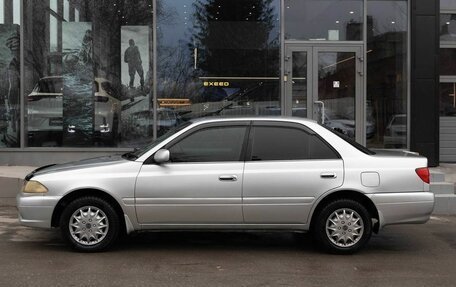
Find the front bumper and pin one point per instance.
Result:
(403, 208)
(36, 210)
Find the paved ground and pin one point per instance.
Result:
(413, 255)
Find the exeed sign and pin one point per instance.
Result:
(216, 84)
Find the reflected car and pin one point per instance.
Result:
(45, 110)
(396, 132)
(347, 127)
(141, 123)
(247, 173)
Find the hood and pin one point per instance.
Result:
(81, 164)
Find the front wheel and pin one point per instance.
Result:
(343, 226)
(90, 224)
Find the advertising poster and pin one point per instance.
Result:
(137, 114)
(78, 98)
(9, 85)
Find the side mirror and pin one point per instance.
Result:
(161, 156)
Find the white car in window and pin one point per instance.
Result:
(45, 110)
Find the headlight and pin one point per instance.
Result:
(34, 187)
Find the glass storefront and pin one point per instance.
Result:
(387, 73)
(87, 73)
(87, 76)
(333, 20)
(218, 58)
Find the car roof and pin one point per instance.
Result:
(251, 118)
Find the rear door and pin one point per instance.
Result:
(287, 167)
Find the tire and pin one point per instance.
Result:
(356, 229)
(85, 211)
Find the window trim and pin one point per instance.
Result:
(246, 124)
(288, 125)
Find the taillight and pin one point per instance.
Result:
(423, 173)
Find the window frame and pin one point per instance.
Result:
(245, 124)
(286, 125)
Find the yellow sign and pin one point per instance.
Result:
(216, 84)
(174, 102)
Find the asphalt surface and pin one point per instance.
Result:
(407, 255)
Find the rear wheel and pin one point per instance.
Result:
(90, 224)
(343, 226)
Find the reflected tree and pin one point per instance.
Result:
(235, 38)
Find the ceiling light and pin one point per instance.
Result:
(352, 12)
(448, 23)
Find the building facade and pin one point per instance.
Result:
(84, 78)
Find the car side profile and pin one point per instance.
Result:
(281, 174)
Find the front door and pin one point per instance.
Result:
(325, 83)
(202, 182)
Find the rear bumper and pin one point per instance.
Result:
(403, 208)
(36, 210)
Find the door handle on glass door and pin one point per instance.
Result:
(322, 110)
(227, 178)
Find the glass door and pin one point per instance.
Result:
(325, 83)
(298, 63)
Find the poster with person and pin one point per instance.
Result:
(137, 113)
(9, 85)
(77, 73)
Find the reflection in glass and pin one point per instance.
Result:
(337, 90)
(447, 61)
(83, 88)
(447, 4)
(2, 11)
(53, 26)
(218, 57)
(333, 20)
(386, 107)
(447, 99)
(9, 77)
(9, 85)
(66, 10)
(299, 84)
(448, 27)
(16, 12)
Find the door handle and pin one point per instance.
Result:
(328, 175)
(227, 178)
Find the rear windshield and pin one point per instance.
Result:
(353, 143)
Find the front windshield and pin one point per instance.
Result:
(139, 152)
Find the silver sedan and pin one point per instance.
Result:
(281, 174)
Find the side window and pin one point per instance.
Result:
(283, 143)
(210, 144)
(318, 149)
